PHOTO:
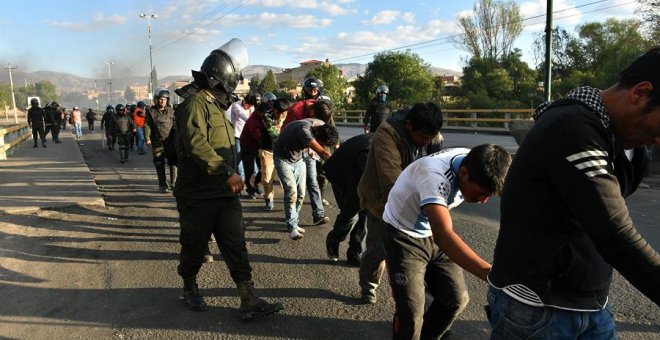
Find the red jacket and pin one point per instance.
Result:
(299, 110)
(251, 134)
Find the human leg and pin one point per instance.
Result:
(446, 283)
(372, 263)
(407, 259)
(267, 169)
(343, 224)
(318, 212)
(287, 175)
(248, 158)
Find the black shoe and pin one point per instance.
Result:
(43, 145)
(58, 141)
(193, 300)
(321, 220)
(332, 249)
(35, 146)
(353, 260)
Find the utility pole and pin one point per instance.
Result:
(11, 85)
(151, 60)
(547, 79)
(109, 63)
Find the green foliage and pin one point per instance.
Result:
(595, 56)
(334, 85)
(408, 77)
(269, 83)
(255, 83)
(507, 83)
(288, 84)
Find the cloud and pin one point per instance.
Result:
(351, 44)
(334, 9)
(385, 17)
(267, 19)
(408, 17)
(99, 22)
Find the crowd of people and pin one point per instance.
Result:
(564, 222)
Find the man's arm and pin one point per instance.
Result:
(388, 159)
(452, 244)
(314, 145)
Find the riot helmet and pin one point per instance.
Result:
(269, 97)
(309, 84)
(109, 108)
(141, 104)
(34, 102)
(382, 89)
(119, 107)
(222, 68)
(162, 93)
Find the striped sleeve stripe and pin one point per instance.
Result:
(589, 164)
(594, 173)
(584, 154)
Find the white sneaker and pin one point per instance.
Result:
(295, 234)
(301, 230)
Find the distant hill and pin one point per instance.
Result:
(66, 82)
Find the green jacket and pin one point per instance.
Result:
(205, 148)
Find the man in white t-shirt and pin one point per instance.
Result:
(238, 114)
(422, 249)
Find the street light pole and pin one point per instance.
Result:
(151, 60)
(13, 97)
(109, 63)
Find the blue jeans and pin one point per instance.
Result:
(239, 168)
(292, 177)
(140, 138)
(313, 187)
(511, 319)
(77, 128)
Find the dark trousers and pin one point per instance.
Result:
(222, 217)
(416, 265)
(111, 138)
(350, 217)
(38, 132)
(372, 263)
(248, 158)
(90, 125)
(55, 131)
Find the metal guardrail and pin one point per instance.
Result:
(466, 118)
(11, 137)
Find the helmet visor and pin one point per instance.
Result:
(237, 51)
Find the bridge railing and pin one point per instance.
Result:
(11, 137)
(465, 118)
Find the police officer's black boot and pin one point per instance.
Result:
(253, 306)
(162, 179)
(191, 296)
(173, 173)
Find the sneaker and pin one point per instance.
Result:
(296, 234)
(368, 298)
(325, 202)
(164, 188)
(321, 220)
(332, 249)
(208, 258)
(269, 206)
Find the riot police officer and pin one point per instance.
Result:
(378, 110)
(159, 131)
(37, 121)
(207, 188)
(55, 119)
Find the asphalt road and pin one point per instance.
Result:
(110, 272)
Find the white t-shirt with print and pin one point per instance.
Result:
(429, 180)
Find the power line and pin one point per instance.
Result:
(447, 39)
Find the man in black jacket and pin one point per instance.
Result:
(344, 170)
(564, 221)
(378, 110)
(37, 121)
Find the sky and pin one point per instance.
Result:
(80, 36)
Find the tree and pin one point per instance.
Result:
(334, 84)
(408, 77)
(490, 32)
(595, 56)
(255, 83)
(288, 84)
(507, 83)
(650, 12)
(269, 83)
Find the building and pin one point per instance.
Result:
(298, 74)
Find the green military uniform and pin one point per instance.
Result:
(206, 204)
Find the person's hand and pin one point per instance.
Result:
(235, 183)
(366, 129)
(149, 143)
(134, 131)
